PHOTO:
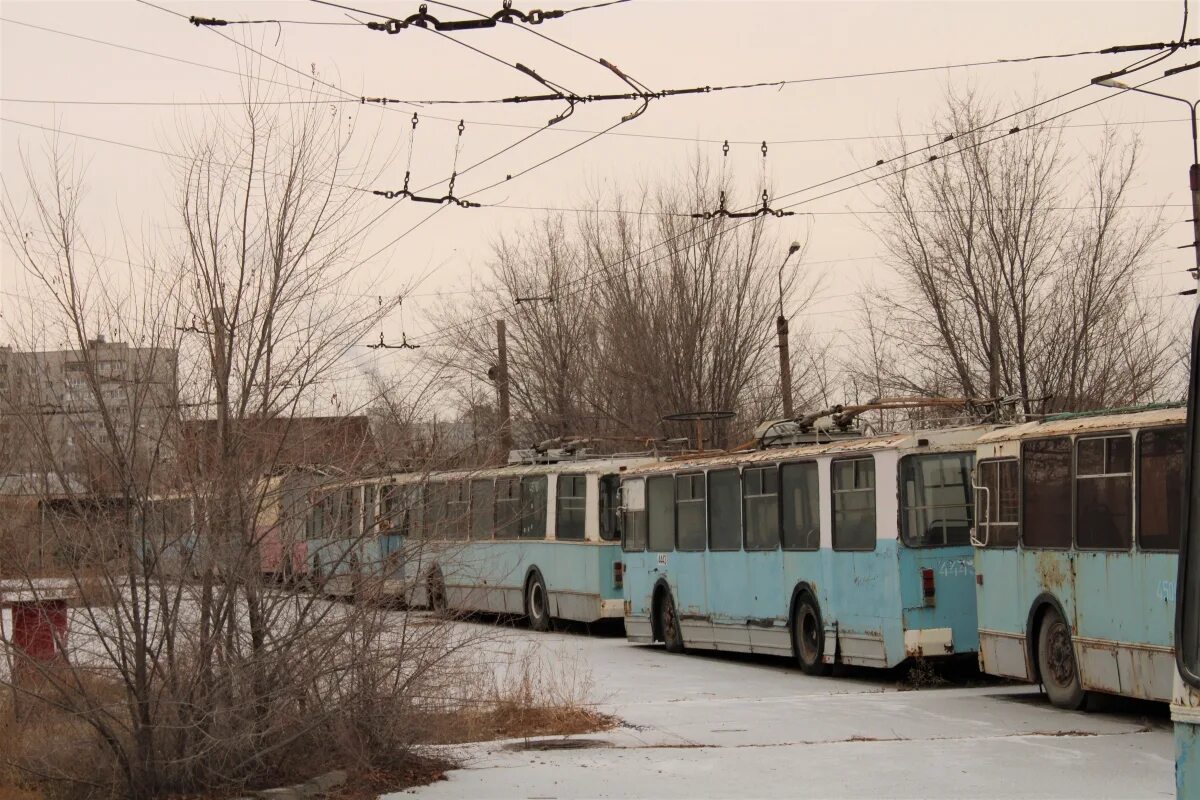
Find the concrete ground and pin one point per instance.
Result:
(731, 726)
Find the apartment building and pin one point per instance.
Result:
(63, 410)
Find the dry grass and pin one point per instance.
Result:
(533, 693)
(922, 675)
(512, 721)
(48, 754)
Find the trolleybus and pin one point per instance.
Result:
(1077, 535)
(855, 551)
(539, 539)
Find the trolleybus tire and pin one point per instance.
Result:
(808, 637)
(537, 603)
(668, 623)
(1056, 662)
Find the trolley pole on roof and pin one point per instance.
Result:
(506, 440)
(781, 329)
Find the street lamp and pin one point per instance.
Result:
(781, 329)
(1193, 171)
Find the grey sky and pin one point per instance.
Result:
(663, 44)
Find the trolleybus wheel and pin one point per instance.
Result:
(437, 592)
(1056, 663)
(668, 624)
(808, 637)
(537, 603)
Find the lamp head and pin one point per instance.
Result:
(1112, 83)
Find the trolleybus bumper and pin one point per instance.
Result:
(639, 629)
(928, 642)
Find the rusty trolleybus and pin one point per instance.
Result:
(1079, 520)
(854, 551)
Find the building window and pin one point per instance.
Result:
(1046, 493)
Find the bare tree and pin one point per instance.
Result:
(189, 667)
(1011, 284)
(617, 319)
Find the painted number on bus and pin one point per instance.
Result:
(957, 566)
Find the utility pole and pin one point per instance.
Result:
(506, 440)
(785, 364)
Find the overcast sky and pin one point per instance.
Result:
(818, 130)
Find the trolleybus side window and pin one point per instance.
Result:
(414, 510)
(633, 500)
(389, 508)
(346, 515)
(1160, 488)
(610, 523)
(435, 510)
(458, 517)
(689, 512)
(660, 502)
(996, 508)
(801, 506)
(854, 504)
(508, 507)
(1046, 493)
(1104, 492)
(483, 509)
(760, 493)
(315, 518)
(571, 504)
(370, 512)
(724, 510)
(533, 507)
(935, 499)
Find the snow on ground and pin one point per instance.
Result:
(726, 726)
